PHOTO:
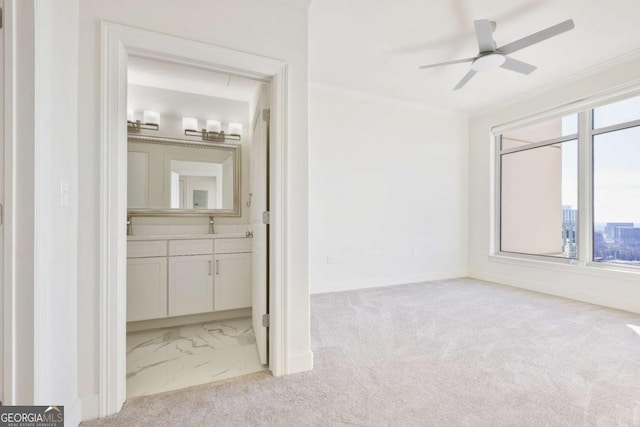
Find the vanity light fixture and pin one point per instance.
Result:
(235, 128)
(150, 121)
(213, 131)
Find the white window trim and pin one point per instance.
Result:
(584, 262)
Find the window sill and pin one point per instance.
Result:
(593, 269)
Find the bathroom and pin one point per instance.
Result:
(197, 239)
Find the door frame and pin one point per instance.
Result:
(118, 41)
(5, 294)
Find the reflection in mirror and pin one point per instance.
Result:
(201, 185)
(176, 176)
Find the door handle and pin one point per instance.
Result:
(217, 267)
(209, 262)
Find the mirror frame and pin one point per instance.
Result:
(237, 164)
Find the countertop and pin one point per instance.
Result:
(186, 236)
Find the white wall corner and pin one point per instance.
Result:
(301, 362)
(89, 407)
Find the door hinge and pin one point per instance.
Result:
(266, 217)
(266, 320)
(1, 216)
(266, 115)
(1, 18)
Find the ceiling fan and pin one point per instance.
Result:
(490, 56)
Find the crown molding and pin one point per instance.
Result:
(560, 83)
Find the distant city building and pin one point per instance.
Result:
(598, 238)
(569, 231)
(611, 229)
(599, 246)
(628, 236)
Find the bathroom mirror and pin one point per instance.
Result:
(167, 176)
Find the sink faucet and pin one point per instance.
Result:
(211, 225)
(129, 226)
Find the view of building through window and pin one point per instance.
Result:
(539, 186)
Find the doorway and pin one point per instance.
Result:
(197, 258)
(119, 44)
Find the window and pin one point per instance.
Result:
(616, 183)
(539, 211)
(539, 189)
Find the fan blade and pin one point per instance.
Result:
(538, 37)
(465, 79)
(484, 34)
(458, 61)
(518, 66)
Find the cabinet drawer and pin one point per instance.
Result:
(191, 247)
(146, 248)
(232, 246)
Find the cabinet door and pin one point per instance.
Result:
(233, 281)
(190, 284)
(146, 288)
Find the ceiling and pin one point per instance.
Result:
(376, 46)
(181, 78)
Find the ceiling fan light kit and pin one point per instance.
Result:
(490, 56)
(488, 61)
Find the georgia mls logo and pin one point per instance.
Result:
(32, 416)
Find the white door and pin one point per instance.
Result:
(232, 284)
(190, 284)
(259, 204)
(146, 288)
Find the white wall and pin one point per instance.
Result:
(185, 104)
(271, 28)
(597, 286)
(56, 212)
(43, 279)
(388, 191)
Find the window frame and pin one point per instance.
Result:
(585, 138)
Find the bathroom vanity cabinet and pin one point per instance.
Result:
(177, 277)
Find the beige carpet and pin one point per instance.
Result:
(457, 352)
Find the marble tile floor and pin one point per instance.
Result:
(167, 359)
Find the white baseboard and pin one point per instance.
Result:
(321, 288)
(300, 363)
(72, 413)
(90, 407)
(572, 293)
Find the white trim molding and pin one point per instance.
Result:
(8, 226)
(118, 42)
